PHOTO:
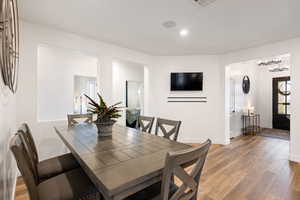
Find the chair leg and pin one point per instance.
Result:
(195, 197)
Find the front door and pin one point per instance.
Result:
(281, 103)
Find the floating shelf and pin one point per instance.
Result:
(186, 99)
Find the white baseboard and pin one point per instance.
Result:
(294, 158)
(226, 142)
(14, 187)
(195, 141)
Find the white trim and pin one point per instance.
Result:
(15, 175)
(14, 187)
(294, 158)
(227, 141)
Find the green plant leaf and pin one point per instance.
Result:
(92, 102)
(103, 111)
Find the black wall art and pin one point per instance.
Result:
(9, 42)
(246, 84)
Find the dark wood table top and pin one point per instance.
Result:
(122, 164)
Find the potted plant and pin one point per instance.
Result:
(106, 115)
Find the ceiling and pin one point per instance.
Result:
(223, 26)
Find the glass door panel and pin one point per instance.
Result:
(281, 102)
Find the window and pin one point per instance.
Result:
(84, 85)
(284, 97)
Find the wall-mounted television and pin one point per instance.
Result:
(191, 81)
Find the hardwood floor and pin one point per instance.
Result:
(250, 168)
(275, 133)
(21, 190)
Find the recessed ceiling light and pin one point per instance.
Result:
(184, 32)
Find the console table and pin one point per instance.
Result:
(251, 124)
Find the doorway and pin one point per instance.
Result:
(281, 103)
(269, 96)
(128, 88)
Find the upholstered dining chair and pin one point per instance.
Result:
(72, 118)
(187, 166)
(161, 125)
(50, 167)
(145, 123)
(71, 185)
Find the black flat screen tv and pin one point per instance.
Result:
(192, 81)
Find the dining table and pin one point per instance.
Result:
(122, 164)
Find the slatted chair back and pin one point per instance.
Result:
(72, 119)
(160, 125)
(24, 164)
(175, 165)
(28, 138)
(145, 123)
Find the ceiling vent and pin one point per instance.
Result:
(203, 3)
(169, 24)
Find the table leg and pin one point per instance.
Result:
(243, 118)
(259, 123)
(256, 128)
(253, 125)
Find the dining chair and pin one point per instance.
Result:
(145, 123)
(161, 125)
(72, 118)
(176, 165)
(49, 167)
(73, 184)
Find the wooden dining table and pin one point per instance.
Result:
(121, 164)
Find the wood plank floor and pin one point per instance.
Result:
(275, 133)
(250, 168)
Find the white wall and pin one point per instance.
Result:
(236, 72)
(57, 68)
(123, 71)
(8, 128)
(200, 121)
(291, 47)
(32, 37)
